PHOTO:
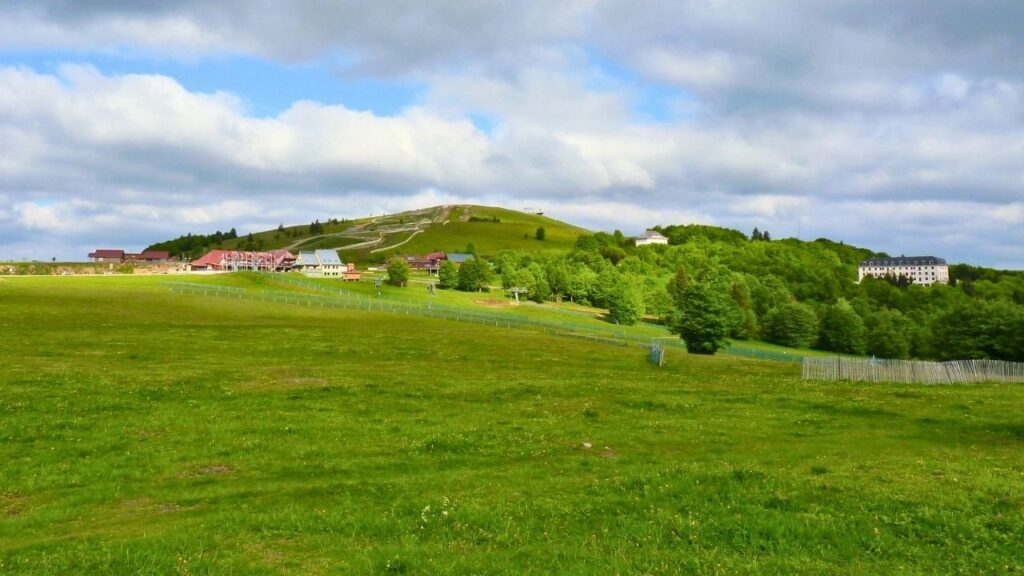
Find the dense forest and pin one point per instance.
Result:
(712, 284)
(192, 246)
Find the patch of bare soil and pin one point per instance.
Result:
(269, 553)
(12, 504)
(493, 302)
(304, 381)
(148, 434)
(282, 378)
(607, 453)
(141, 505)
(212, 470)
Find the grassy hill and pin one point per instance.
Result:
(440, 228)
(246, 437)
(489, 229)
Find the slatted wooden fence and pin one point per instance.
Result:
(911, 371)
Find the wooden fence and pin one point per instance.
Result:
(911, 371)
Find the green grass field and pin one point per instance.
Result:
(497, 303)
(145, 432)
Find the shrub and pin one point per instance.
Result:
(842, 330)
(791, 324)
(398, 271)
(705, 315)
(626, 301)
(448, 275)
(474, 275)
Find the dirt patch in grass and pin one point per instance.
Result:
(305, 381)
(144, 505)
(493, 302)
(148, 434)
(12, 504)
(274, 381)
(211, 470)
(271, 554)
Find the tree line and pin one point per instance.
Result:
(710, 285)
(193, 245)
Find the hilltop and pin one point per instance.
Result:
(449, 228)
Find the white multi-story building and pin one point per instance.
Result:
(650, 237)
(923, 270)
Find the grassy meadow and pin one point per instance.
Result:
(145, 432)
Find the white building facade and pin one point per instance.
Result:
(650, 237)
(923, 270)
(321, 264)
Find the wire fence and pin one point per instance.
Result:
(911, 371)
(340, 298)
(510, 320)
(363, 303)
(763, 354)
(672, 342)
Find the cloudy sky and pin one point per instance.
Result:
(894, 125)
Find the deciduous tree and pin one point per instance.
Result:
(398, 271)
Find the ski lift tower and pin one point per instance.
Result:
(516, 291)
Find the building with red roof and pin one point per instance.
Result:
(104, 255)
(430, 262)
(234, 260)
(120, 256)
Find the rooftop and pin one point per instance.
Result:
(652, 234)
(328, 257)
(155, 255)
(219, 257)
(458, 257)
(904, 261)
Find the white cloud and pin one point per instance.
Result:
(701, 70)
(818, 112)
(120, 153)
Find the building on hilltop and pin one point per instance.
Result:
(922, 270)
(650, 237)
(236, 260)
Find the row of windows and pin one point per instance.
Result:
(897, 268)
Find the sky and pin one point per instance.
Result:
(897, 126)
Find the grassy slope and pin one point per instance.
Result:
(274, 239)
(488, 238)
(497, 303)
(148, 433)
